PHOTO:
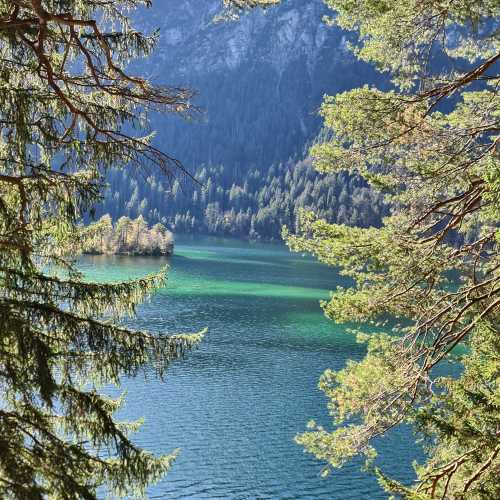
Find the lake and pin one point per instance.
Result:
(234, 405)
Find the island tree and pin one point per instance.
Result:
(428, 280)
(70, 109)
(127, 237)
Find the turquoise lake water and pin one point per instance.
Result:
(234, 405)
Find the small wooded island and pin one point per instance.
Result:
(127, 237)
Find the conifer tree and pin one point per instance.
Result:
(429, 278)
(70, 109)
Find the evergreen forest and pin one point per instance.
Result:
(253, 203)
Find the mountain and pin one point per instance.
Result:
(259, 80)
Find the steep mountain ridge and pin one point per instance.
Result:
(259, 80)
(201, 44)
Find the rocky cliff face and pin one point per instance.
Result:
(199, 45)
(259, 80)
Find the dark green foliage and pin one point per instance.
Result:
(253, 204)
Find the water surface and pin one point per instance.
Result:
(234, 405)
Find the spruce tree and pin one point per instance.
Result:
(70, 109)
(428, 280)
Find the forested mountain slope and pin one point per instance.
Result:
(259, 82)
(255, 204)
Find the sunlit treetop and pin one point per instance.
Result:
(428, 280)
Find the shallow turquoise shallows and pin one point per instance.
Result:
(234, 405)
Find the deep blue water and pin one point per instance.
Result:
(234, 405)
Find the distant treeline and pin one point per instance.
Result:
(254, 204)
(127, 237)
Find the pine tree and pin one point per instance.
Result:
(68, 111)
(429, 277)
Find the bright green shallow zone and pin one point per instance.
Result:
(234, 405)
